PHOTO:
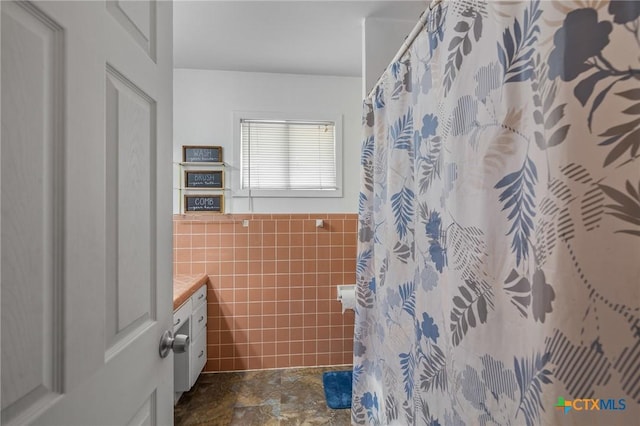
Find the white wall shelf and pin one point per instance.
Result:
(203, 164)
(183, 188)
(180, 185)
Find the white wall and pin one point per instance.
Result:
(204, 102)
(381, 39)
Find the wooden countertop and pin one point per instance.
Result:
(185, 285)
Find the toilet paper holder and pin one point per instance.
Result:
(347, 296)
(345, 289)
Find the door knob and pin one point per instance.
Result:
(168, 342)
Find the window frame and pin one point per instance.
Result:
(239, 192)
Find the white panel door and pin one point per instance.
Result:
(85, 169)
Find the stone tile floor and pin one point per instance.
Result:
(268, 397)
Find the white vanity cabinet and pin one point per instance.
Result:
(191, 319)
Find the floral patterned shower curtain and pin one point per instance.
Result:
(499, 239)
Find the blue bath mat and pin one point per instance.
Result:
(337, 388)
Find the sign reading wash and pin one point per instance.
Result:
(590, 404)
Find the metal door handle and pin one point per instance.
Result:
(201, 353)
(201, 296)
(177, 322)
(168, 342)
(201, 318)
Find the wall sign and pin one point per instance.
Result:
(204, 179)
(204, 203)
(201, 154)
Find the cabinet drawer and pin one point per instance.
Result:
(181, 316)
(198, 357)
(199, 321)
(200, 296)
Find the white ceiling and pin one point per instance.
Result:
(297, 37)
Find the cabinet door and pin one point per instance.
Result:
(198, 357)
(181, 371)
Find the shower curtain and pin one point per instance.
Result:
(499, 221)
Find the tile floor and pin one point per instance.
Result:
(264, 398)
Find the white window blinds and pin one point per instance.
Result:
(288, 155)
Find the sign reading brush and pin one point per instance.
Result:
(204, 179)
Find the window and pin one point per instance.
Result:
(283, 158)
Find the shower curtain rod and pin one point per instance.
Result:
(407, 41)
